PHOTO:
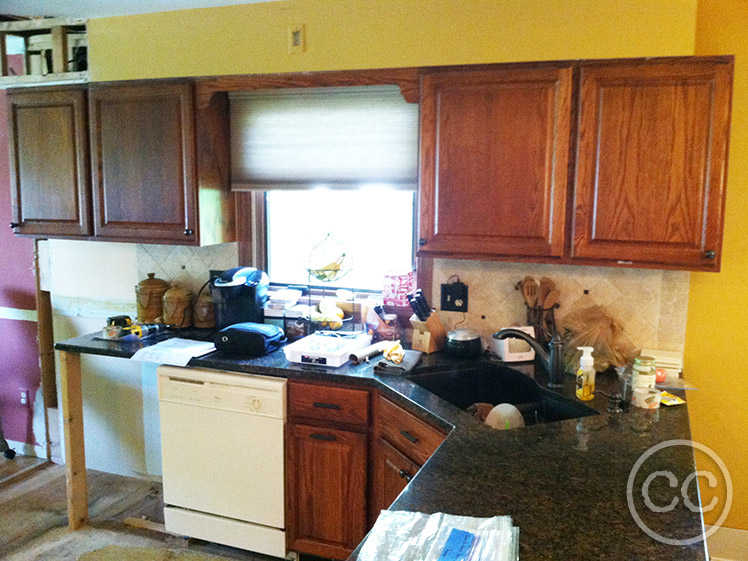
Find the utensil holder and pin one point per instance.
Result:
(428, 336)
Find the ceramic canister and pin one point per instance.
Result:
(149, 294)
(203, 311)
(178, 307)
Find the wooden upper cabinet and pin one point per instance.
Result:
(50, 178)
(651, 162)
(494, 161)
(143, 161)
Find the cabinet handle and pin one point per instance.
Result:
(326, 405)
(188, 232)
(328, 437)
(421, 241)
(409, 436)
(710, 254)
(405, 475)
(14, 224)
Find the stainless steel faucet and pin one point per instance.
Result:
(552, 359)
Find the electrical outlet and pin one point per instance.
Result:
(454, 297)
(213, 274)
(24, 395)
(296, 38)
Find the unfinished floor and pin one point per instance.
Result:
(33, 517)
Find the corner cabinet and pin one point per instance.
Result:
(49, 164)
(143, 154)
(494, 161)
(652, 161)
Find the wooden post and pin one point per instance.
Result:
(3, 56)
(59, 49)
(75, 453)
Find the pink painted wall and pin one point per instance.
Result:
(19, 363)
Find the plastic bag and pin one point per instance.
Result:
(414, 536)
(593, 327)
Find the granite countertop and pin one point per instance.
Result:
(563, 483)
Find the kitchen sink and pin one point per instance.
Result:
(494, 384)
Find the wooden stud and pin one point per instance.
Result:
(3, 56)
(59, 50)
(75, 453)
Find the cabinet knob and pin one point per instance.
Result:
(421, 241)
(405, 475)
(188, 232)
(14, 224)
(711, 254)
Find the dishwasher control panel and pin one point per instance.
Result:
(243, 393)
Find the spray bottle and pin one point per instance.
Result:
(586, 375)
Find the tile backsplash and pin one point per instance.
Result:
(649, 305)
(182, 265)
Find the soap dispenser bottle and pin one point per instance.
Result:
(586, 375)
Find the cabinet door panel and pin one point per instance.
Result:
(144, 174)
(494, 158)
(651, 161)
(49, 162)
(392, 472)
(326, 490)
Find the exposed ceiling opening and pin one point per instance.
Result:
(107, 8)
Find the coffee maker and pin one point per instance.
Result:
(239, 296)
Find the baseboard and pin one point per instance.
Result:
(28, 449)
(728, 544)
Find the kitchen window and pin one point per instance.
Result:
(337, 162)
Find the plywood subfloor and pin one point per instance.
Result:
(33, 519)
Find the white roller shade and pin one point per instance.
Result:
(338, 137)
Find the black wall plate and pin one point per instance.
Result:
(454, 297)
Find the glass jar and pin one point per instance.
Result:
(643, 375)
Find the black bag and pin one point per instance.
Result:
(249, 339)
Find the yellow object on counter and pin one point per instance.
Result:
(394, 352)
(666, 398)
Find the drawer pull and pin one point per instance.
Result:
(322, 405)
(409, 436)
(328, 437)
(405, 475)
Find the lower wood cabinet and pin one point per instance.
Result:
(326, 490)
(342, 469)
(392, 471)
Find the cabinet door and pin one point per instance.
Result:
(651, 162)
(494, 161)
(49, 162)
(142, 141)
(392, 472)
(326, 490)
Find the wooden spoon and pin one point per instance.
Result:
(530, 291)
(546, 285)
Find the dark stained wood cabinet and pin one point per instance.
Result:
(392, 470)
(143, 154)
(50, 180)
(494, 161)
(326, 469)
(651, 162)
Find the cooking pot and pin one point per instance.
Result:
(463, 343)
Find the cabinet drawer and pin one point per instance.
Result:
(328, 403)
(413, 437)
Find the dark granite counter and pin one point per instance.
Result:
(563, 483)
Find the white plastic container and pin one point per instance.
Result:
(326, 350)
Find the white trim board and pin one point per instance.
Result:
(16, 313)
(28, 449)
(728, 544)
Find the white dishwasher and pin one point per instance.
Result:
(222, 457)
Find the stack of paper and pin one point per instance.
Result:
(175, 351)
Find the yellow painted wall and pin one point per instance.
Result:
(716, 344)
(347, 34)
